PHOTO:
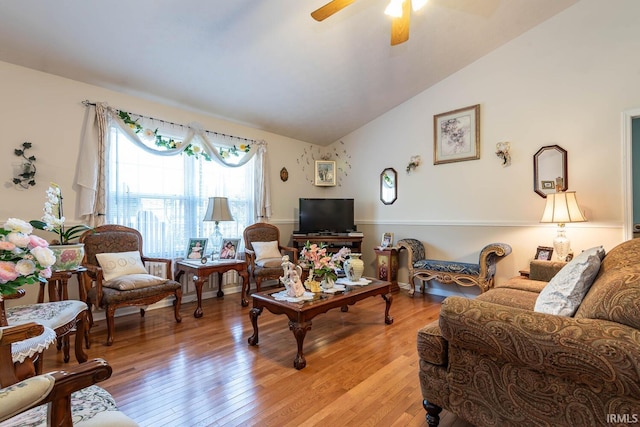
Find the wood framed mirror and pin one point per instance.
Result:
(550, 170)
(388, 186)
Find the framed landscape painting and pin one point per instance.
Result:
(456, 135)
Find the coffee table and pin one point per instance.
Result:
(301, 313)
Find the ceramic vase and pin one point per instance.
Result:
(327, 283)
(354, 267)
(68, 257)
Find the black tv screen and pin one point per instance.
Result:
(326, 215)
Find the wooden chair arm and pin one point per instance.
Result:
(94, 274)
(250, 257)
(294, 251)
(161, 260)
(11, 334)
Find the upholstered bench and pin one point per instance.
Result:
(464, 274)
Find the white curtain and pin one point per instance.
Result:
(93, 152)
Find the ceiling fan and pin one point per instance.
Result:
(400, 10)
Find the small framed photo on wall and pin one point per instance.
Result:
(544, 253)
(196, 248)
(229, 249)
(325, 173)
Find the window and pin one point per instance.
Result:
(166, 197)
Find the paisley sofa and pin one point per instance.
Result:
(493, 361)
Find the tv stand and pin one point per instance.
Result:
(333, 241)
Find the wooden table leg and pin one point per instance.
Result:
(220, 294)
(198, 281)
(299, 330)
(253, 315)
(245, 288)
(388, 299)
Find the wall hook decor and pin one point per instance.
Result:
(414, 162)
(26, 177)
(502, 151)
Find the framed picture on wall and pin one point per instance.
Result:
(325, 173)
(456, 135)
(229, 249)
(196, 248)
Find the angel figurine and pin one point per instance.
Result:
(291, 278)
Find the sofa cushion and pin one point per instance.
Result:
(133, 281)
(523, 284)
(614, 296)
(565, 291)
(431, 346)
(510, 297)
(120, 263)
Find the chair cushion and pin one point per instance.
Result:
(118, 264)
(270, 262)
(85, 404)
(432, 347)
(266, 250)
(133, 281)
(115, 296)
(565, 291)
(17, 397)
(50, 314)
(448, 266)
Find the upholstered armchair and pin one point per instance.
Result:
(116, 271)
(61, 398)
(264, 252)
(465, 274)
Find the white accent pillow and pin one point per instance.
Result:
(565, 291)
(120, 263)
(133, 281)
(266, 250)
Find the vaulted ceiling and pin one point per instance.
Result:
(265, 64)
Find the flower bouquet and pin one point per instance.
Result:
(25, 259)
(322, 265)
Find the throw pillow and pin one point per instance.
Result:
(266, 250)
(120, 263)
(564, 292)
(133, 281)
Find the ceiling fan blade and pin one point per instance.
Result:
(400, 26)
(329, 9)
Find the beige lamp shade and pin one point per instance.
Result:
(562, 208)
(218, 210)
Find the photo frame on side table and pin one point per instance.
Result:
(196, 248)
(229, 248)
(544, 253)
(325, 173)
(387, 240)
(456, 135)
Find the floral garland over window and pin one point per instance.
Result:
(170, 143)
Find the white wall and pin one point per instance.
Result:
(564, 82)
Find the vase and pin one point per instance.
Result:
(68, 257)
(327, 283)
(354, 267)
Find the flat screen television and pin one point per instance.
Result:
(326, 216)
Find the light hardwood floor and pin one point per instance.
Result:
(202, 372)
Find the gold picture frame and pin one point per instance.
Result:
(325, 173)
(456, 135)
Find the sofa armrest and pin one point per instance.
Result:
(544, 270)
(598, 353)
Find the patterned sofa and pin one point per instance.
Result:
(493, 361)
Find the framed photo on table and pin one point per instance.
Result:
(387, 240)
(196, 248)
(544, 253)
(456, 135)
(229, 249)
(325, 173)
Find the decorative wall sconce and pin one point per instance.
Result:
(503, 153)
(26, 177)
(414, 162)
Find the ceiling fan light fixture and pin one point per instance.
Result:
(394, 8)
(418, 4)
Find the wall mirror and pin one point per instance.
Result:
(549, 170)
(388, 186)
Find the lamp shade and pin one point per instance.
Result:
(562, 208)
(218, 210)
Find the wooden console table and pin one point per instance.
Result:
(387, 265)
(334, 242)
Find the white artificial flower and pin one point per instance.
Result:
(19, 239)
(45, 256)
(25, 267)
(18, 225)
(149, 134)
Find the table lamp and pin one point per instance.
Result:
(562, 208)
(218, 210)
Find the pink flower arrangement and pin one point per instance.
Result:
(24, 258)
(319, 262)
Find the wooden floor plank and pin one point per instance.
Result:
(202, 372)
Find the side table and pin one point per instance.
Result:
(57, 285)
(387, 265)
(201, 273)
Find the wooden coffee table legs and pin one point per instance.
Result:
(388, 299)
(299, 331)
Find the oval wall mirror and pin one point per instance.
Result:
(549, 170)
(388, 186)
